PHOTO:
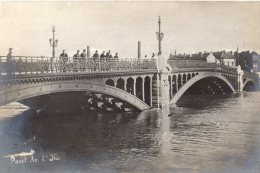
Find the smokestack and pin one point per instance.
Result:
(139, 50)
(88, 52)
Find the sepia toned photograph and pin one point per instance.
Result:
(129, 87)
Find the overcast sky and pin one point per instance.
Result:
(117, 26)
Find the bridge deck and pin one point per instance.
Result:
(30, 67)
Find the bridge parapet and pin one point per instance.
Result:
(178, 65)
(24, 65)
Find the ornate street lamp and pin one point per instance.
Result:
(159, 37)
(53, 42)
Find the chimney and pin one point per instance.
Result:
(139, 50)
(88, 52)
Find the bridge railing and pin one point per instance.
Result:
(191, 64)
(251, 75)
(200, 64)
(33, 65)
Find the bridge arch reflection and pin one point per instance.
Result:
(203, 76)
(249, 85)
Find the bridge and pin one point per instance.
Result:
(113, 84)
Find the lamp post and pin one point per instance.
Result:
(53, 42)
(159, 37)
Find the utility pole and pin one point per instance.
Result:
(53, 42)
(159, 37)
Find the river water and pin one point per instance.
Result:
(201, 134)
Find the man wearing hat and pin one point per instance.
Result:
(64, 60)
(83, 55)
(76, 61)
(96, 55)
(76, 56)
(64, 55)
(9, 59)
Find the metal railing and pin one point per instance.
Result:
(178, 65)
(35, 65)
(251, 75)
(191, 64)
(199, 64)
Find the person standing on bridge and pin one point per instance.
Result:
(9, 62)
(76, 56)
(108, 54)
(64, 56)
(64, 60)
(96, 55)
(75, 60)
(116, 56)
(102, 56)
(83, 55)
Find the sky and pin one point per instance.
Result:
(188, 27)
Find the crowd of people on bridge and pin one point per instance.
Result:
(64, 58)
(83, 55)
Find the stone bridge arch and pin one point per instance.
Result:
(200, 76)
(247, 83)
(30, 91)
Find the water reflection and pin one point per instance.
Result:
(203, 134)
(75, 132)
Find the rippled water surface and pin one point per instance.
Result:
(201, 134)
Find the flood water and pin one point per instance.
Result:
(203, 134)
